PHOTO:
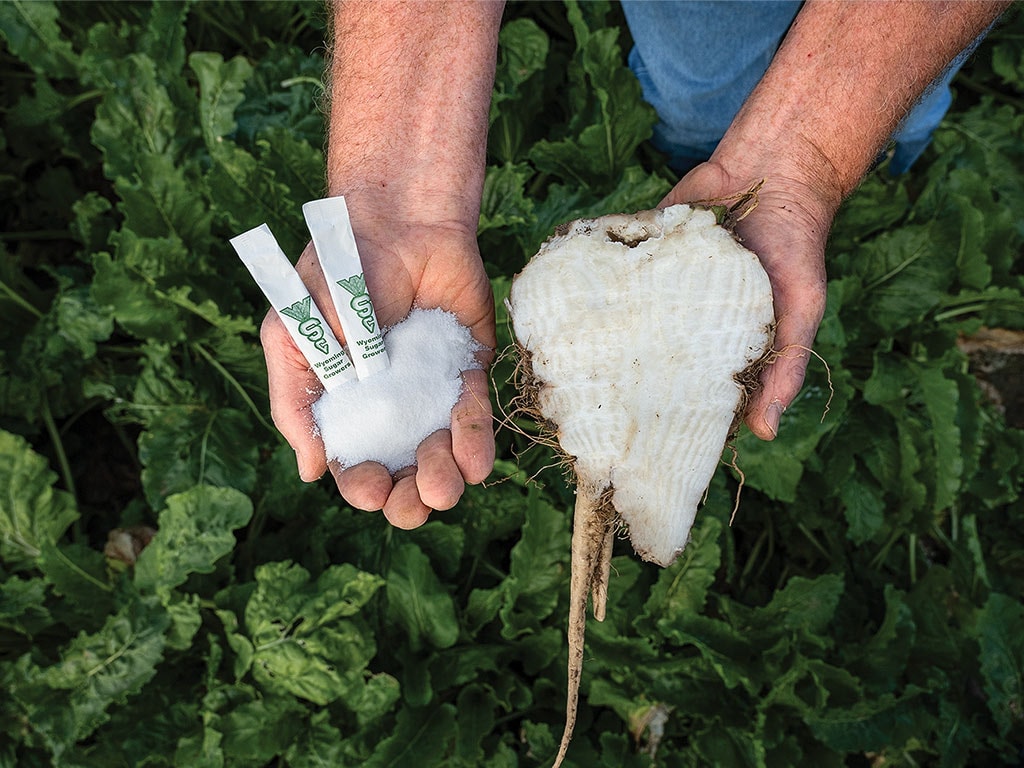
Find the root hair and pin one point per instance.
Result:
(524, 404)
(730, 210)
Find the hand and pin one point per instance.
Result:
(787, 230)
(405, 264)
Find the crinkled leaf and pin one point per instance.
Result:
(82, 323)
(21, 605)
(1000, 631)
(189, 445)
(68, 700)
(421, 737)
(504, 202)
(195, 530)
(320, 744)
(32, 34)
(257, 731)
(221, 86)
(78, 573)
(135, 303)
(522, 55)
(32, 512)
(306, 639)
(417, 601)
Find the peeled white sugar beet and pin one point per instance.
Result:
(634, 330)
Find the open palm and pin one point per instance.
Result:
(406, 265)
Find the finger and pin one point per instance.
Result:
(365, 486)
(404, 509)
(438, 478)
(308, 267)
(783, 377)
(473, 429)
(293, 388)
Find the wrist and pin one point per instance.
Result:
(795, 176)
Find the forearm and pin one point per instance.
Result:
(841, 82)
(410, 90)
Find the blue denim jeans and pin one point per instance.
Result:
(698, 60)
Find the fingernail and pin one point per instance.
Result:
(772, 416)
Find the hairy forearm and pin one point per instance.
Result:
(844, 77)
(410, 90)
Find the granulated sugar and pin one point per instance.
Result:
(384, 417)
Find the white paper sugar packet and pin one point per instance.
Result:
(274, 274)
(331, 230)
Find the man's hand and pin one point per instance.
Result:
(844, 77)
(410, 88)
(406, 265)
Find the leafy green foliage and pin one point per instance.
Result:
(863, 608)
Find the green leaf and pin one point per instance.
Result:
(296, 163)
(803, 608)
(195, 530)
(872, 724)
(864, 508)
(188, 445)
(610, 107)
(137, 117)
(21, 605)
(321, 744)
(522, 56)
(906, 272)
(32, 512)
(504, 202)
(33, 35)
(161, 202)
(881, 662)
(417, 601)
(249, 193)
(68, 700)
(777, 468)
(681, 589)
(476, 706)
(78, 573)
(221, 87)
(135, 303)
(81, 322)
(941, 396)
(421, 737)
(257, 731)
(1000, 630)
(306, 637)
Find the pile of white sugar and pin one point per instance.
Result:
(384, 417)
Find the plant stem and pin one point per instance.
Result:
(236, 385)
(19, 300)
(58, 447)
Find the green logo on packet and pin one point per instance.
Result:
(361, 305)
(309, 327)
